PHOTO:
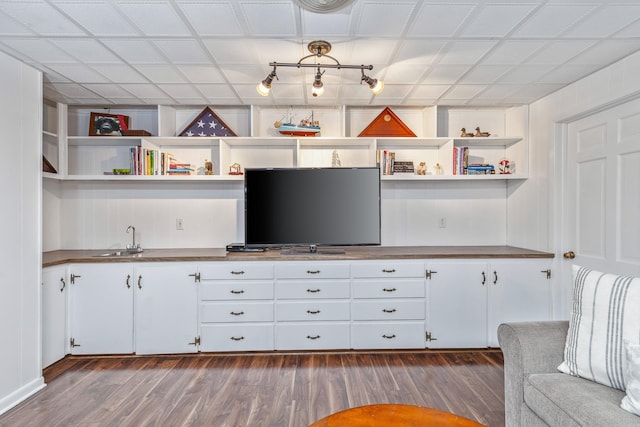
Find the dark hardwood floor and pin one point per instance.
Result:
(262, 390)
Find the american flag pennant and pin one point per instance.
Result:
(207, 123)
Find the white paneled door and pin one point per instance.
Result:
(602, 221)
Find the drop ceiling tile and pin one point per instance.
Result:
(145, 91)
(512, 52)
(212, 19)
(401, 73)
(97, 17)
(156, 18)
(356, 92)
(365, 51)
(275, 50)
(160, 73)
(463, 92)
(136, 51)
(567, 74)
(325, 25)
(383, 19)
(72, 90)
(559, 52)
(183, 51)
(41, 18)
(525, 74)
(189, 101)
(419, 51)
(606, 22)
(217, 91)
(530, 93)
(179, 91)
(41, 49)
(119, 73)
(497, 91)
(606, 52)
(429, 91)
(246, 74)
(553, 19)
(465, 52)
(440, 20)
(108, 90)
(631, 31)
(496, 20)
(484, 74)
(232, 51)
(86, 50)
(445, 74)
(10, 27)
(266, 18)
(78, 73)
(201, 73)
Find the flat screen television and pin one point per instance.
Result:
(311, 207)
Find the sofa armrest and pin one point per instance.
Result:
(528, 348)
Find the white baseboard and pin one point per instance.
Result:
(21, 394)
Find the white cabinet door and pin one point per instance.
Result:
(54, 314)
(519, 291)
(166, 308)
(457, 304)
(101, 308)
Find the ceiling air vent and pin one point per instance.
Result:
(323, 6)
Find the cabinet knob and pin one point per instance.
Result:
(386, 310)
(313, 311)
(140, 281)
(236, 338)
(484, 278)
(389, 337)
(313, 291)
(569, 255)
(313, 337)
(63, 284)
(127, 281)
(313, 271)
(495, 277)
(389, 289)
(237, 313)
(384, 270)
(237, 292)
(237, 272)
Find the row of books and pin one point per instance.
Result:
(385, 161)
(461, 165)
(144, 161)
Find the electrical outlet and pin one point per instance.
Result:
(179, 224)
(443, 222)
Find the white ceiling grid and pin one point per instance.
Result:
(194, 52)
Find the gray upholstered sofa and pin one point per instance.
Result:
(537, 394)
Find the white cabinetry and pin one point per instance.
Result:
(101, 308)
(54, 314)
(236, 306)
(166, 314)
(388, 308)
(468, 299)
(312, 307)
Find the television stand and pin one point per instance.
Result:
(312, 249)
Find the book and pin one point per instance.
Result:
(403, 167)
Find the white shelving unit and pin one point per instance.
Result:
(80, 157)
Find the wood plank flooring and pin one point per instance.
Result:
(261, 390)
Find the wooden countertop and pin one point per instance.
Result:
(351, 253)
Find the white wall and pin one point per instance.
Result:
(534, 206)
(20, 252)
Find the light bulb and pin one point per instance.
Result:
(263, 89)
(378, 87)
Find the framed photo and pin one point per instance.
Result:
(103, 124)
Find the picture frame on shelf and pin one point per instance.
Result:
(104, 124)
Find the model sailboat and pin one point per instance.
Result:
(306, 127)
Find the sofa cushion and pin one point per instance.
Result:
(631, 401)
(603, 314)
(563, 400)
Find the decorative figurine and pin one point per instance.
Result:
(505, 167)
(483, 134)
(465, 134)
(335, 160)
(235, 169)
(438, 169)
(422, 168)
(208, 167)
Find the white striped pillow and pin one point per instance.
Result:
(605, 311)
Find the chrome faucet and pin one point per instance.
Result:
(133, 247)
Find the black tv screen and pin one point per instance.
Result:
(312, 207)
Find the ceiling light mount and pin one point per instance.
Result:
(319, 50)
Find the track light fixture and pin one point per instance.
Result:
(319, 49)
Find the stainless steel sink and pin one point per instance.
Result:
(124, 253)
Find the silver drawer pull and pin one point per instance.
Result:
(389, 289)
(237, 272)
(237, 292)
(236, 338)
(313, 271)
(313, 311)
(313, 291)
(389, 337)
(237, 313)
(386, 310)
(313, 337)
(384, 270)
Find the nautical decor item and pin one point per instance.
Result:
(235, 169)
(335, 160)
(387, 123)
(306, 127)
(207, 123)
(479, 134)
(465, 134)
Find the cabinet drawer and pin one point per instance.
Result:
(312, 336)
(312, 310)
(235, 270)
(389, 310)
(225, 337)
(303, 289)
(312, 270)
(401, 288)
(388, 335)
(389, 269)
(213, 290)
(236, 312)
